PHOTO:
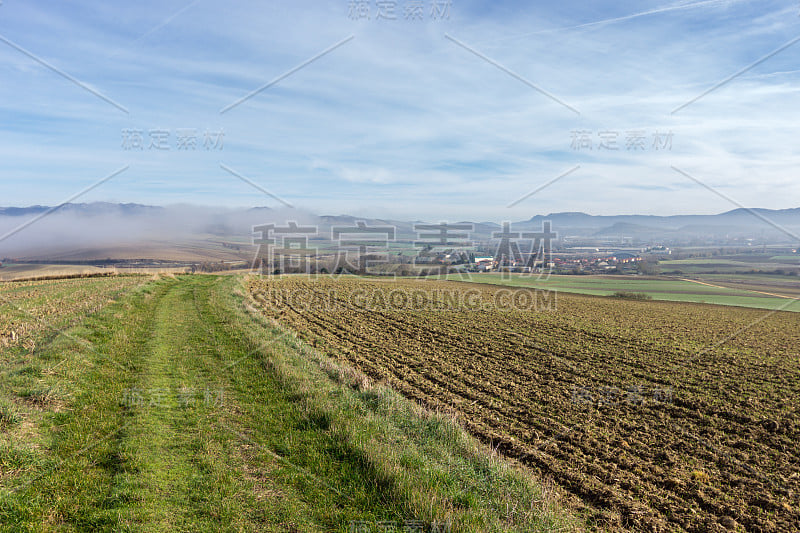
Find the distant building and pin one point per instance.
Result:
(484, 264)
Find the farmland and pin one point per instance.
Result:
(737, 263)
(34, 308)
(762, 292)
(38, 271)
(641, 415)
(143, 403)
(655, 416)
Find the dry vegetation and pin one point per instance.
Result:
(30, 308)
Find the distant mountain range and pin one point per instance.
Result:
(92, 209)
(736, 217)
(760, 224)
(102, 229)
(572, 220)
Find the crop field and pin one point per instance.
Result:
(33, 307)
(34, 272)
(654, 416)
(766, 295)
(732, 264)
(31, 271)
(785, 285)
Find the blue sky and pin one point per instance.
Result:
(402, 121)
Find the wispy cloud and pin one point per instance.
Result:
(680, 6)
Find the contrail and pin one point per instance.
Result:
(664, 9)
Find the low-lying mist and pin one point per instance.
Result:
(98, 231)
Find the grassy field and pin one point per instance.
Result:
(732, 264)
(714, 291)
(657, 416)
(33, 311)
(173, 405)
(785, 285)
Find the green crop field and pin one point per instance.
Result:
(672, 289)
(732, 264)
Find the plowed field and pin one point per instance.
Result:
(656, 416)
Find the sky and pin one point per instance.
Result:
(414, 110)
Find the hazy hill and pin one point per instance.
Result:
(88, 231)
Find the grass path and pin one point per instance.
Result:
(137, 444)
(178, 409)
(183, 474)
